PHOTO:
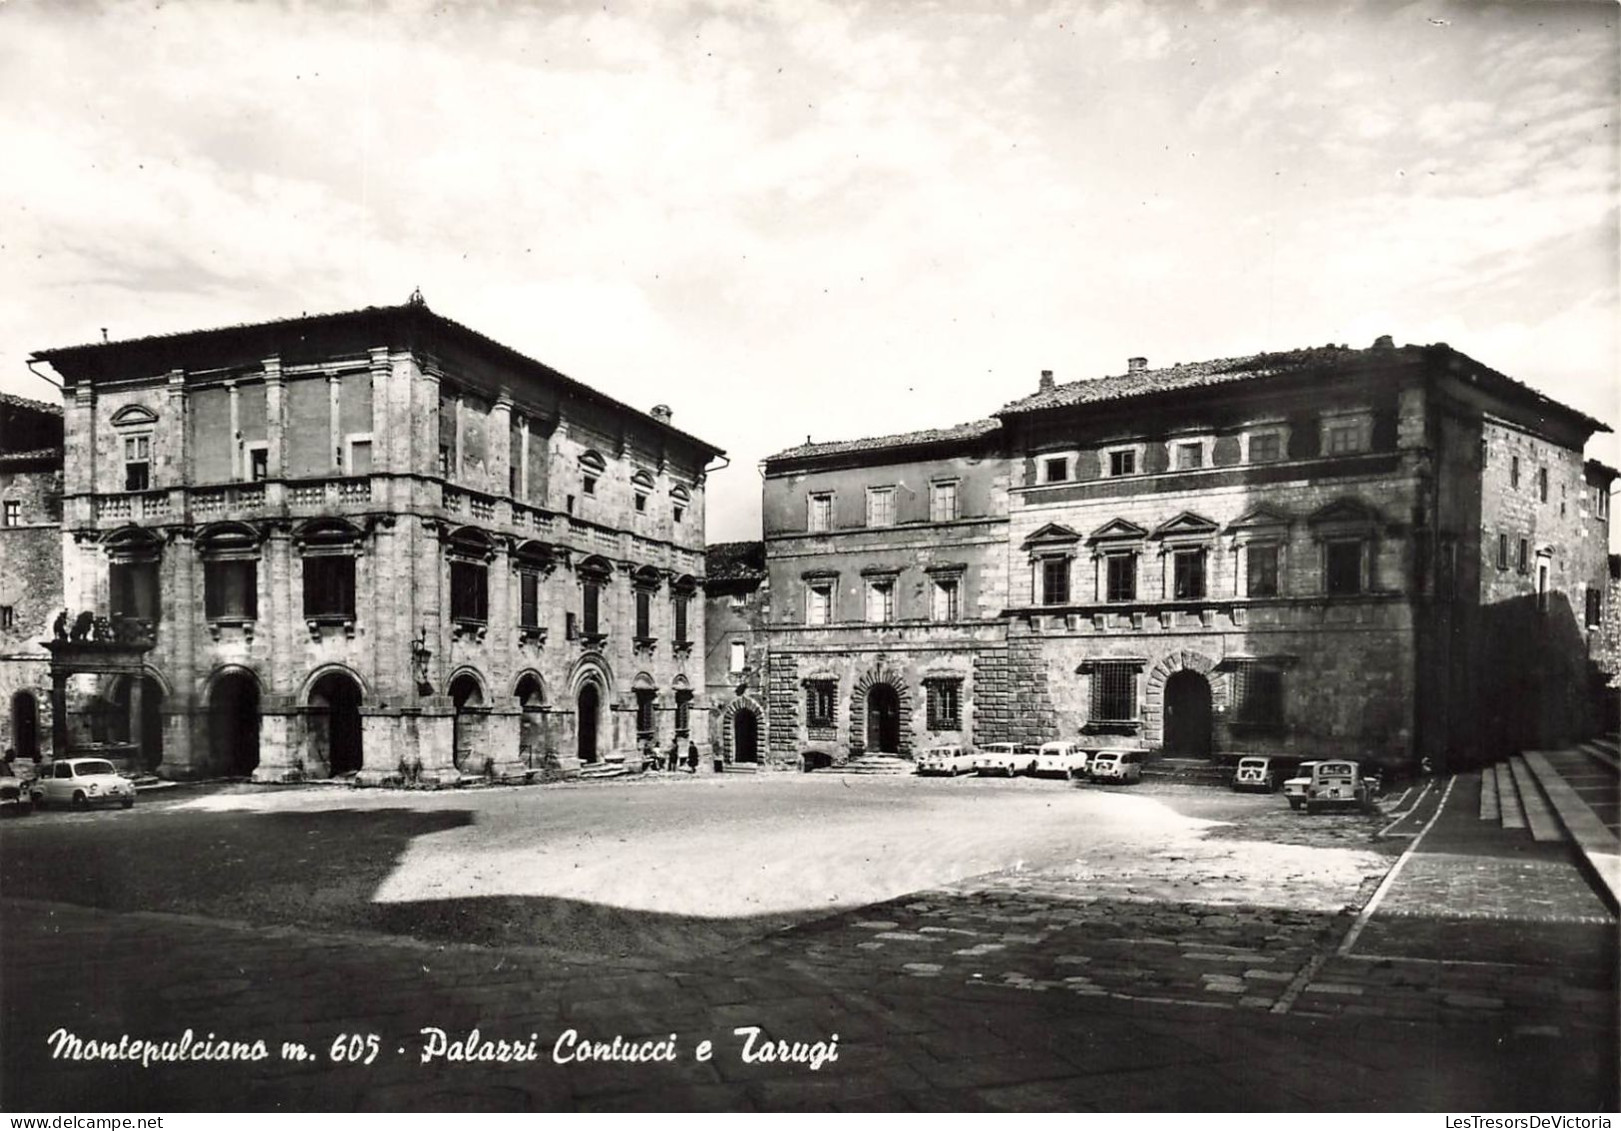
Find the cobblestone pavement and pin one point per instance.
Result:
(1264, 965)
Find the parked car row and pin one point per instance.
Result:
(1051, 759)
(77, 783)
(1312, 784)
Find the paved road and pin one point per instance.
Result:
(1126, 950)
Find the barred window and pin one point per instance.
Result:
(1114, 692)
(1258, 694)
(945, 703)
(819, 703)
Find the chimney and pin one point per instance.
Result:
(1384, 342)
(1046, 381)
(1136, 364)
(661, 412)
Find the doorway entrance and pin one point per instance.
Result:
(335, 724)
(233, 724)
(585, 720)
(137, 720)
(883, 720)
(1187, 715)
(745, 736)
(467, 697)
(25, 724)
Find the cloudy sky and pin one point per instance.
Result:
(826, 218)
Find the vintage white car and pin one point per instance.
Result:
(81, 783)
(1005, 759)
(14, 792)
(1060, 759)
(1116, 765)
(1319, 784)
(1255, 772)
(950, 760)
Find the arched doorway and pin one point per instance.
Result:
(1187, 715)
(335, 724)
(745, 737)
(136, 719)
(883, 719)
(25, 724)
(233, 723)
(585, 720)
(531, 696)
(466, 730)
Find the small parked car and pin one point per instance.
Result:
(949, 760)
(1324, 783)
(1060, 759)
(1005, 758)
(1116, 765)
(1255, 772)
(15, 794)
(81, 783)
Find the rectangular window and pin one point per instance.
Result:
(13, 512)
(444, 461)
(258, 464)
(1189, 456)
(739, 601)
(591, 608)
(1502, 551)
(1055, 470)
(1055, 581)
(641, 503)
(1542, 587)
(1261, 570)
(1542, 484)
(1188, 575)
(740, 655)
(528, 600)
(820, 518)
(1258, 694)
(945, 704)
(1114, 692)
(1343, 567)
(1122, 463)
(231, 589)
(133, 590)
(329, 586)
(1595, 606)
(1265, 447)
(1525, 556)
(1120, 576)
(644, 614)
(359, 457)
(880, 601)
(512, 482)
(1514, 472)
(8, 616)
(819, 703)
(947, 605)
(588, 484)
(469, 597)
(819, 604)
(680, 617)
(880, 506)
(1343, 438)
(137, 463)
(678, 512)
(943, 502)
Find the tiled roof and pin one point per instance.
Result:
(1221, 371)
(734, 561)
(37, 406)
(971, 431)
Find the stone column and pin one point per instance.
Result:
(498, 444)
(275, 417)
(523, 458)
(176, 470)
(381, 372)
(236, 431)
(334, 435)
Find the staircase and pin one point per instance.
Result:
(1563, 795)
(1187, 771)
(873, 765)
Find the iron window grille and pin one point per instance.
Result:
(944, 703)
(1114, 692)
(1258, 694)
(819, 696)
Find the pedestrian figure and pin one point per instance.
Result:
(673, 761)
(692, 757)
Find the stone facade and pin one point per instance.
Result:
(737, 662)
(30, 568)
(1292, 554)
(379, 544)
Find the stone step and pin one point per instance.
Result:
(1602, 750)
(1490, 808)
(873, 764)
(1544, 825)
(1508, 795)
(1598, 844)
